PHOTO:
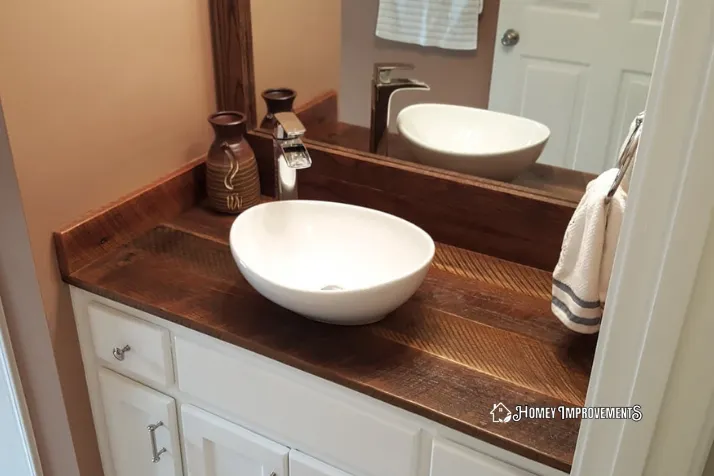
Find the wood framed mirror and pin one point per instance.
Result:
(326, 50)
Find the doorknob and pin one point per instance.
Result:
(510, 38)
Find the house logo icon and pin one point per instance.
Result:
(500, 413)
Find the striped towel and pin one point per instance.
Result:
(582, 275)
(449, 24)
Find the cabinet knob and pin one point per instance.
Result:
(155, 452)
(119, 352)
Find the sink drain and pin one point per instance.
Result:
(332, 287)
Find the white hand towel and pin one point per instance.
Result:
(449, 24)
(582, 276)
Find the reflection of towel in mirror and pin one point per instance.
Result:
(449, 24)
(582, 275)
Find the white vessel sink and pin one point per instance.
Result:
(328, 261)
(473, 141)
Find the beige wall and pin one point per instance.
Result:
(455, 77)
(100, 98)
(296, 44)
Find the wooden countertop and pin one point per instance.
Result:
(478, 331)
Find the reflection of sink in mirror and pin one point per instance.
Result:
(472, 141)
(331, 262)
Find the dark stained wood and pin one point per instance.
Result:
(105, 229)
(468, 212)
(232, 41)
(478, 331)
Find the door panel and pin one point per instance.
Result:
(303, 465)
(129, 408)
(449, 459)
(216, 447)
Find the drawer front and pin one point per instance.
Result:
(343, 434)
(131, 346)
(449, 459)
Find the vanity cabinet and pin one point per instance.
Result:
(170, 401)
(141, 428)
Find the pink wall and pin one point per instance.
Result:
(100, 98)
(455, 77)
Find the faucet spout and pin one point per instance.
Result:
(289, 154)
(383, 87)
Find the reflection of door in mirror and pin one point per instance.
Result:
(580, 68)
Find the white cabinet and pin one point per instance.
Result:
(151, 400)
(141, 427)
(303, 465)
(216, 447)
(449, 459)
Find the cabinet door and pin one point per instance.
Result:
(449, 459)
(303, 465)
(142, 428)
(216, 447)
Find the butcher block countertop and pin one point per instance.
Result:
(478, 331)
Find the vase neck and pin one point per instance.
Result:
(228, 125)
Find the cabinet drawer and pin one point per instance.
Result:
(258, 392)
(131, 346)
(448, 459)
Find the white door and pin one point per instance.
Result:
(142, 428)
(216, 447)
(304, 465)
(581, 67)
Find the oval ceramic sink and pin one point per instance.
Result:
(328, 261)
(473, 141)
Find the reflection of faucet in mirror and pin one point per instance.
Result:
(289, 154)
(383, 86)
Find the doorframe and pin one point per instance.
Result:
(28, 463)
(662, 239)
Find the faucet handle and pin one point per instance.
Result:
(382, 71)
(288, 126)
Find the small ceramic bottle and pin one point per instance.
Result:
(277, 100)
(232, 180)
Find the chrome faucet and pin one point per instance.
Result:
(383, 86)
(289, 154)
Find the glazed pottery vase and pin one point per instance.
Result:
(232, 182)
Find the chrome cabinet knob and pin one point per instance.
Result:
(119, 352)
(510, 38)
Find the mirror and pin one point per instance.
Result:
(534, 93)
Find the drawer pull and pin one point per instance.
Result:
(155, 453)
(119, 352)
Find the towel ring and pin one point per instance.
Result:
(627, 157)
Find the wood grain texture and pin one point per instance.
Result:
(478, 331)
(466, 212)
(105, 229)
(232, 41)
